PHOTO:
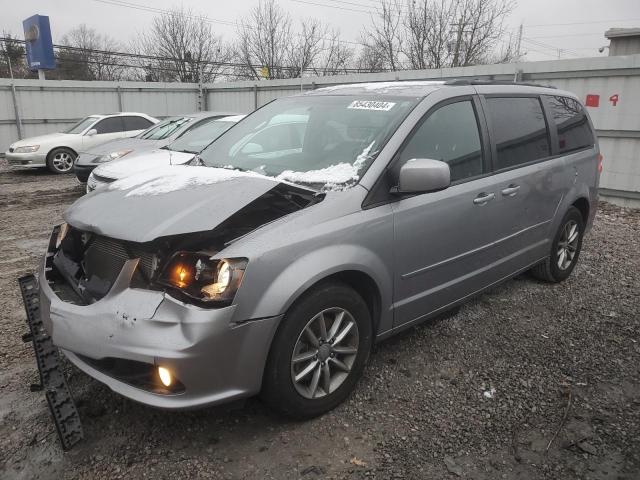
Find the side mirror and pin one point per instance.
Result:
(422, 175)
(92, 132)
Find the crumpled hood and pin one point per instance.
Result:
(136, 144)
(138, 162)
(167, 201)
(41, 139)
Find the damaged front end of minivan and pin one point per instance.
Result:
(147, 307)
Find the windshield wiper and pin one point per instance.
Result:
(227, 167)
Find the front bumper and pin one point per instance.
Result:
(35, 159)
(215, 357)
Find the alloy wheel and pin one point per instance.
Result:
(62, 161)
(568, 245)
(324, 353)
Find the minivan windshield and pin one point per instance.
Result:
(164, 129)
(199, 137)
(81, 125)
(324, 141)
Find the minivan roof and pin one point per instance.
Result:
(416, 88)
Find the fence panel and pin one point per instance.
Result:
(51, 105)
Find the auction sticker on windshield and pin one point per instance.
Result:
(371, 105)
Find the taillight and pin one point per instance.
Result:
(599, 163)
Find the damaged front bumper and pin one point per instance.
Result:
(125, 336)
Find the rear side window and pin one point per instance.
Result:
(109, 125)
(571, 121)
(519, 130)
(136, 123)
(449, 134)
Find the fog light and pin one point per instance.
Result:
(165, 376)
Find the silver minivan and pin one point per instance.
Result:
(275, 260)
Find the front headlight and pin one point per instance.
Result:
(197, 276)
(63, 229)
(26, 149)
(111, 156)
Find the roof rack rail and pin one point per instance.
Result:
(480, 81)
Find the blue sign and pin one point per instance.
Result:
(37, 35)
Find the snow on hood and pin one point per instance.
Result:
(167, 201)
(334, 177)
(141, 161)
(177, 177)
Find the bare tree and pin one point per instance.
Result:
(269, 46)
(369, 60)
(185, 48)
(336, 57)
(264, 40)
(436, 34)
(479, 24)
(91, 55)
(385, 36)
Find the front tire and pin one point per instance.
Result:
(318, 353)
(565, 249)
(60, 160)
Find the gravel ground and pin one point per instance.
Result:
(479, 394)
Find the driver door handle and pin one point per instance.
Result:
(484, 198)
(511, 190)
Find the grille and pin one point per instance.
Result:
(105, 257)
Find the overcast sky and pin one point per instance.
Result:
(576, 27)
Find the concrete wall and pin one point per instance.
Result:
(48, 106)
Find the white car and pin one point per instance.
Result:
(58, 151)
(179, 152)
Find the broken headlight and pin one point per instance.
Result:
(63, 229)
(197, 276)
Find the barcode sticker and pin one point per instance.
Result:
(371, 105)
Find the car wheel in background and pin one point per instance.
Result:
(565, 249)
(60, 160)
(318, 353)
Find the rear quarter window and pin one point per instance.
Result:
(136, 123)
(574, 132)
(519, 130)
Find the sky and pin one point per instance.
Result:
(551, 28)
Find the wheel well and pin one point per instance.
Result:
(66, 148)
(366, 288)
(582, 204)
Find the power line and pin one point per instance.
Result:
(145, 8)
(334, 6)
(138, 56)
(580, 23)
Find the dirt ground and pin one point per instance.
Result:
(479, 394)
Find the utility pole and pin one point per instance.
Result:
(456, 51)
(519, 41)
(14, 97)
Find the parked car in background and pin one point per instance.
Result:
(180, 151)
(58, 151)
(276, 264)
(156, 136)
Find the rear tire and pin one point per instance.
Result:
(565, 249)
(303, 365)
(60, 160)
